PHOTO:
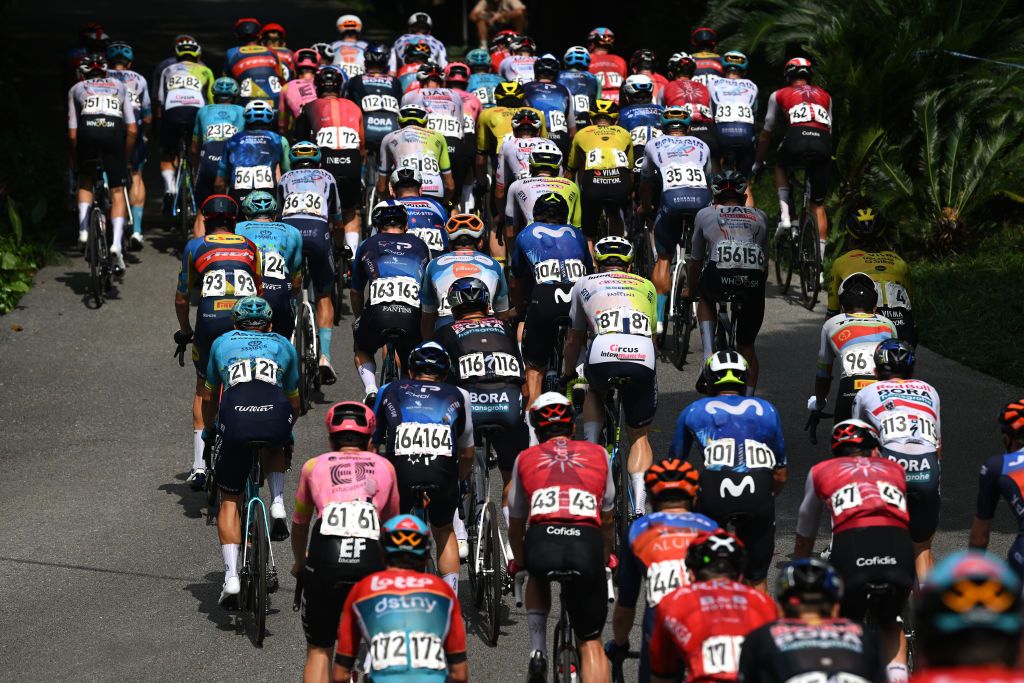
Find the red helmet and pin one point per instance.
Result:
(703, 36)
(274, 28)
(221, 210)
(798, 67)
(351, 416)
(551, 409)
(853, 435)
(307, 58)
(456, 72)
(502, 38)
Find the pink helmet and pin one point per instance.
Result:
(351, 416)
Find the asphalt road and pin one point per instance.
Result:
(110, 569)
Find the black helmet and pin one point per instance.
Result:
(729, 184)
(328, 79)
(430, 358)
(547, 67)
(644, 58)
(808, 579)
(551, 208)
(467, 293)
(719, 551)
(895, 356)
(864, 221)
(858, 291)
(389, 212)
(376, 54)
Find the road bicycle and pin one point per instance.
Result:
(486, 566)
(390, 368)
(342, 280)
(184, 208)
(616, 440)
(421, 494)
(640, 237)
(306, 340)
(680, 314)
(257, 572)
(97, 248)
(370, 197)
(878, 596)
(797, 249)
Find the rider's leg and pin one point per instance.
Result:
(706, 320)
(640, 457)
(821, 217)
(447, 555)
(538, 604)
(229, 530)
(785, 196)
(366, 366)
(593, 415)
(593, 662)
(118, 215)
(534, 383)
(325, 323)
(318, 660)
(84, 204)
(924, 560)
(894, 645)
(137, 199)
(274, 465)
(352, 224)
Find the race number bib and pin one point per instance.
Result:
(911, 426)
(423, 440)
(806, 112)
(641, 135)
(547, 501)
(354, 518)
(220, 131)
(253, 178)
(734, 113)
(676, 176)
(757, 455)
(380, 103)
(448, 126)
(275, 84)
(550, 271)
(858, 359)
(253, 370)
(274, 266)
(581, 102)
(304, 203)
(598, 158)
(399, 289)
(412, 650)
(612, 79)
(744, 255)
(245, 87)
(896, 295)
(720, 453)
(468, 123)
(846, 498)
(337, 137)
(623, 320)
(179, 81)
(663, 578)
(721, 654)
(892, 495)
(431, 237)
(426, 164)
(497, 363)
(215, 283)
(485, 95)
(557, 122)
(101, 105)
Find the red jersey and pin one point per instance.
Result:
(336, 123)
(497, 57)
(686, 92)
(287, 59)
(862, 492)
(969, 674)
(562, 481)
(800, 105)
(704, 624)
(610, 71)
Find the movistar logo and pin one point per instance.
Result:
(541, 230)
(736, 490)
(713, 407)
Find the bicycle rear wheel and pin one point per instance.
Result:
(810, 260)
(491, 574)
(683, 324)
(475, 533)
(95, 253)
(254, 594)
(305, 344)
(643, 258)
(389, 369)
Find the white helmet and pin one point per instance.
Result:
(349, 22)
(420, 18)
(637, 84)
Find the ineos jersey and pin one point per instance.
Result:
(99, 104)
(378, 96)
(860, 492)
(309, 193)
(391, 265)
(562, 481)
(333, 123)
(905, 412)
(736, 433)
(794, 650)
(799, 105)
(481, 351)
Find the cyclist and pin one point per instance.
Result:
(560, 519)
(254, 158)
(280, 246)
(518, 65)
(336, 124)
(514, 153)
(425, 427)
(216, 123)
(704, 41)
(905, 412)
(684, 163)
(299, 91)
(426, 215)
(101, 125)
(256, 67)
(549, 256)
(416, 55)
(616, 308)
(867, 498)
(554, 100)
(499, 47)
(255, 368)
(391, 264)
(495, 124)
(643, 63)
(810, 639)
(326, 53)
(867, 253)
(655, 553)
(851, 337)
(273, 36)
(701, 626)
(444, 116)
(184, 88)
(545, 177)
(685, 91)
(351, 490)
(805, 111)
(456, 77)
(581, 84)
(120, 56)
(744, 458)
(734, 106)
(996, 479)
(610, 69)
(92, 39)
(222, 267)
(416, 146)
(420, 25)
(350, 51)
(428, 605)
(377, 93)
(601, 158)
(733, 240)
(639, 108)
(482, 79)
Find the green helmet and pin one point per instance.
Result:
(259, 203)
(252, 311)
(225, 88)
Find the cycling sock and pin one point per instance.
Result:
(83, 215)
(821, 248)
(230, 553)
(325, 341)
(197, 449)
(453, 581)
(592, 431)
(352, 240)
(168, 181)
(537, 621)
(275, 481)
(897, 673)
(707, 338)
(662, 298)
(137, 220)
(468, 200)
(504, 511)
(785, 200)
(115, 244)
(639, 492)
(459, 526)
(368, 373)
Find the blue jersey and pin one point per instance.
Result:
(222, 267)
(635, 115)
(280, 248)
(422, 422)
(482, 85)
(583, 87)
(447, 268)
(737, 434)
(218, 123)
(555, 101)
(257, 69)
(242, 356)
(250, 159)
(426, 220)
(547, 254)
(393, 265)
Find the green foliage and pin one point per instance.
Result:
(17, 259)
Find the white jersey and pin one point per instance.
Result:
(137, 89)
(180, 87)
(618, 309)
(683, 161)
(733, 100)
(438, 53)
(517, 68)
(350, 56)
(514, 158)
(904, 411)
(523, 194)
(444, 109)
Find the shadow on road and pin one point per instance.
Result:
(102, 570)
(207, 594)
(192, 502)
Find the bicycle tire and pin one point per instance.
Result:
(305, 400)
(184, 227)
(565, 654)
(311, 355)
(389, 368)
(93, 250)
(492, 577)
(810, 261)
(261, 555)
(682, 324)
(642, 256)
(473, 528)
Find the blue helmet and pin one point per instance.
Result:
(376, 54)
(675, 118)
(252, 311)
(970, 590)
(259, 111)
(304, 154)
(259, 203)
(430, 358)
(120, 53)
(895, 356)
(734, 59)
(468, 292)
(576, 56)
(478, 57)
(225, 87)
(405, 534)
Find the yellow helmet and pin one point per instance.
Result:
(606, 108)
(509, 90)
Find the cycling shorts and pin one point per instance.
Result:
(254, 411)
(924, 474)
(810, 149)
(279, 296)
(747, 500)
(500, 405)
(461, 152)
(575, 547)
(107, 146)
(345, 166)
(874, 555)
(848, 388)
(209, 158)
(707, 133)
(138, 160)
(739, 139)
(639, 396)
(212, 320)
(675, 206)
(175, 125)
(318, 250)
(747, 287)
(548, 303)
(368, 329)
(603, 189)
(444, 501)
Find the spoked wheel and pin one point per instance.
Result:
(683, 322)
(491, 571)
(809, 260)
(389, 369)
(95, 253)
(186, 211)
(305, 344)
(474, 534)
(340, 285)
(300, 346)
(254, 576)
(565, 659)
(643, 258)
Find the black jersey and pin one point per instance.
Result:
(832, 650)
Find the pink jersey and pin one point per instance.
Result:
(470, 110)
(295, 95)
(342, 477)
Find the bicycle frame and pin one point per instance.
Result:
(252, 498)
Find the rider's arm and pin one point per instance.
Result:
(807, 520)
(778, 446)
(988, 497)
(301, 515)
(466, 445)
(517, 512)
(500, 301)
(349, 635)
(823, 375)
(765, 138)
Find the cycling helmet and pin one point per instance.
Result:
(718, 551)
(522, 44)
(429, 358)
(259, 203)
(672, 476)
(681, 64)
(304, 155)
(604, 109)
(351, 416)
(466, 225)
(703, 37)
(406, 176)
(412, 114)
(601, 36)
(798, 67)
(479, 58)
(613, 251)
(550, 159)
(456, 72)
(428, 71)
(376, 54)
(576, 56)
(503, 38)
(466, 293)
(225, 88)
(91, 33)
(510, 92)
(273, 28)
(252, 311)
(551, 409)
(349, 23)
(307, 58)
(857, 291)
(735, 61)
(863, 222)
(725, 367)
(1011, 418)
(247, 28)
(644, 58)
(970, 590)
(526, 119)
(328, 80)
(93, 66)
(417, 52)
(421, 20)
(220, 210)
(895, 356)
(258, 111)
(546, 67)
(389, 212)
(675, 118)
(551, 208)
(853, 435)
(638, 85)
(120, 53)
(326, 52)
(808, 579)
(729, 183)
(405, 534)
(187, 49)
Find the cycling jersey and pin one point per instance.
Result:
(217, 123)
(562, 481)
(498, 55)
(447, 268)
(513, 160)
(852, 337)
(378, 96)
(250, 161)
(683, 161)
(800, 105)
(599, 148)
(610, 71)
(420, 148)
(406, 76)
(517, 68)
(137, 91)
(656, 553)
(438, 53)
(1003, 475)
(583, 87)
(309, 193)
(482, 85)
(257, 69)
(703, 625)
(548, 254)
(470, 113)
(891, 275)
(350, 56)
(295, 95)
(98, 105)
(860, 492)
(686, 92)
(522, 194)
(426, 220)
(556, 102)
(280, 248)
(618, 310)
(709, 65)
(734, 105)
(965, 674)
(411, 622)
(634, 115)
(336, 125)
(185, 84)
(495, 124)
(735, 240)
(827, 650)
(444, 110)
(241, 357)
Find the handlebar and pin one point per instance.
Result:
(812, 424)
